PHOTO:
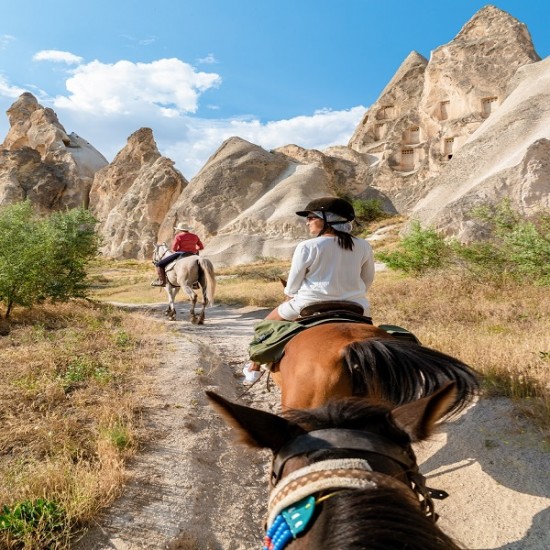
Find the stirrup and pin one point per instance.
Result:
(158, 283)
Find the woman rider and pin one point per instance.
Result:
(333, 265)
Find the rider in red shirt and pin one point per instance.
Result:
(184, 243)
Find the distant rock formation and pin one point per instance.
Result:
(131, 196)
(430, 108)
(469, 125)
(507, 157)
(62, 165)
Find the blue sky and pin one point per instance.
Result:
(200, 71)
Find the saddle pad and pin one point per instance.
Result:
(271, 337)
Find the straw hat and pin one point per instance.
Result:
(182, 227)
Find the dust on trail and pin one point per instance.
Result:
(191, 487)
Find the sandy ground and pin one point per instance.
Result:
(192, 488)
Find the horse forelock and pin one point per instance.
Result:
(386, 517)
(378, 519)
(352, 413)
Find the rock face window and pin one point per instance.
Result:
(444, 107)
(385, 113)
(448, 144)
(488, 105)
(407, 159)
(412, 135)
(379, 131)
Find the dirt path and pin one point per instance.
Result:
(191, 488)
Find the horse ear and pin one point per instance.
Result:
(418, 418)
(254, 427)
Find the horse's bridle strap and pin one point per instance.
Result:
(355, 440)
(351, 473)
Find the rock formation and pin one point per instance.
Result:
(131, 196)
(507, 157)
(469, 125)
(62, 165)
(430, 108)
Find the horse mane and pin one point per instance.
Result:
(400, 371)
(376, 520)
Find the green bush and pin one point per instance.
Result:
(368, 210)
(44, 258)
(41, 521)
(515, 248)
(419, 251)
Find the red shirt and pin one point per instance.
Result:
(186, 242)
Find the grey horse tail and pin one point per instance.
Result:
(209, 277)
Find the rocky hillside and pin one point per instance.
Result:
(468, 125)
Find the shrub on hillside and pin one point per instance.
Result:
(516, 248)
(419, 251)
(44, 257)
(513, 248)
(368, 210)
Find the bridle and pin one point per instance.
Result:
(344, 473)
(157, 256)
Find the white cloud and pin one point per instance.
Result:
(57, 56)
(5, 39)
(208, 60)
(7, 90)
(106, 103)
(203, 137)
(165, 86)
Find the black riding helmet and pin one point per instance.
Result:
(337, 206)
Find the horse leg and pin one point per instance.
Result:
(204, 304)
(171, 310)
(192, 314)
(193, 297)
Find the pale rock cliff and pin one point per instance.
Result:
(69, 160)
(429, 109)
(131, 197)
(243, 202)
(508, 157)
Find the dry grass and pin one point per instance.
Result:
(72, 377)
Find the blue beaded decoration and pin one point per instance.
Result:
(292, 521)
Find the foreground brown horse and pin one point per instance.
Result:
(345, 475)
(342, 359)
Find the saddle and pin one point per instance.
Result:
(341, 310)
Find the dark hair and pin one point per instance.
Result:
(345, 240)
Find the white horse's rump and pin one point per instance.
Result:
(184, 273)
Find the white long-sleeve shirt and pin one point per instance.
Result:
(322, 271)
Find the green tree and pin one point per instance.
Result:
(44, 258)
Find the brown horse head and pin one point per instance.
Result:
(352, 461)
